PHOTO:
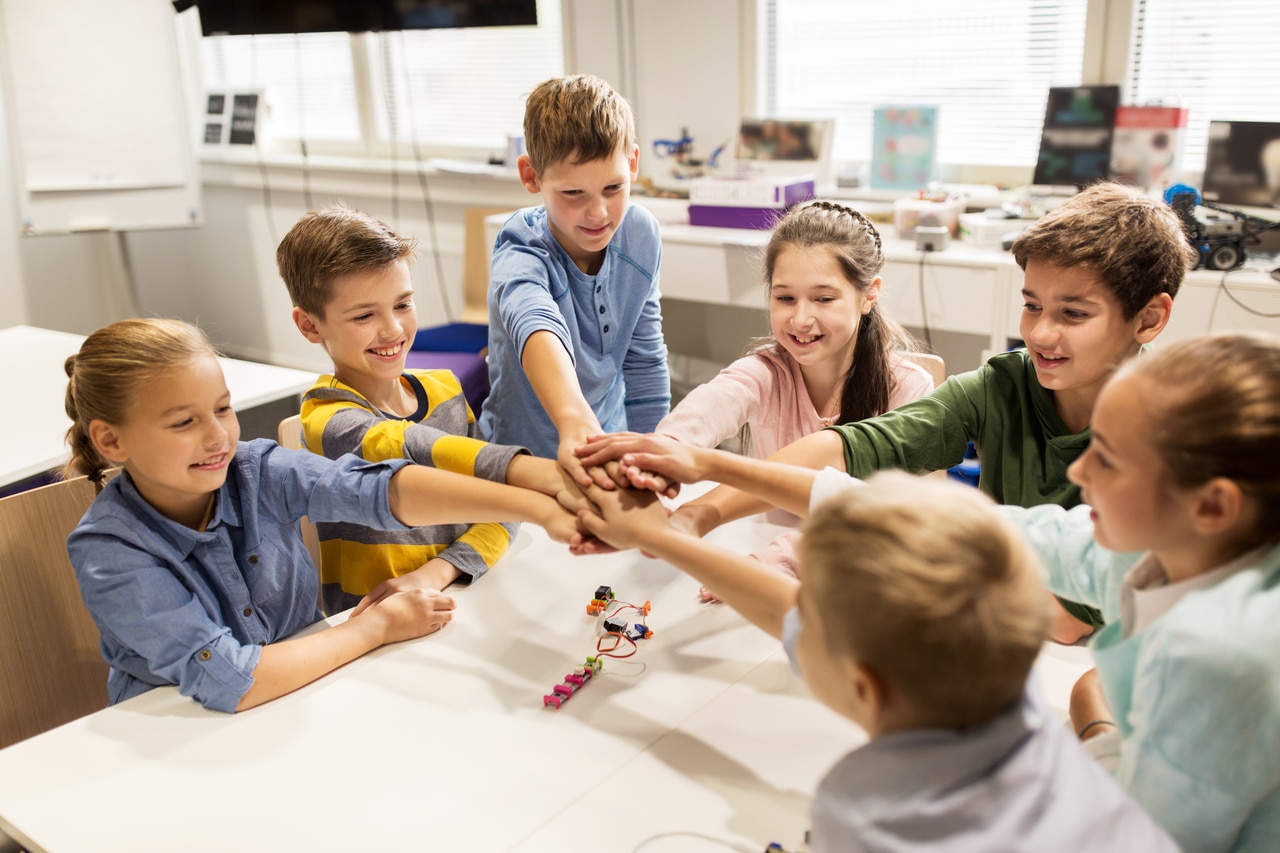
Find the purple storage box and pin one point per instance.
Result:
(752, 216)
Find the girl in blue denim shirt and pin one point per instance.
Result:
(191, 561)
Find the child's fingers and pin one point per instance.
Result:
(601, 478)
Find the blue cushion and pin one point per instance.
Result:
(453, 337)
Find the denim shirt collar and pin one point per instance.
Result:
(226, 511)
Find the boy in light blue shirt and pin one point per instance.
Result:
(920, 616)
(575, 325)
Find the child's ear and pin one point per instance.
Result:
(871, 294)
(107, 441)
(871, 693)
(634, 162)
(1153, 317)
(307, 325)
(1219, 505)
(528, 176)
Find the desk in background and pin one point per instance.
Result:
(968, 296)
(443, 743)
(32, 440)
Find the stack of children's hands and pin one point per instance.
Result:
(629, 473)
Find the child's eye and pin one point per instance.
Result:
(225, 410)
(1030, 306)
(186, 422)
(360, 318)
(826, 299)
(782, 297)
(404, 306)
(1075, 315)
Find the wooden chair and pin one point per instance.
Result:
(290, 435)
(937, 369)
(51, 667)
(933, 365)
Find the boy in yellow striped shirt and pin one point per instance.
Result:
(348, 276)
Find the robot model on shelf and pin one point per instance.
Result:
(1220, 236)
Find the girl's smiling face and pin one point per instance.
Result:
(178, 439)
(1124, 481)
(814, 311)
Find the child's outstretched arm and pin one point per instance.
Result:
(420, 495)
(285, 666)
(550, 371)
(635, 518)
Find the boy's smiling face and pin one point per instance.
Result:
(585, 201)
(1076, 333)
(368, 326)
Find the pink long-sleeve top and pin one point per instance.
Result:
(766, 391)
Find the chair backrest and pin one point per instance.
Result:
(933, 364)
(51, 667)
(289, 434)
(477, 251)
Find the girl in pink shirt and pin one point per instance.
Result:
(834, 356)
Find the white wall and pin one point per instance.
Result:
(13, 298)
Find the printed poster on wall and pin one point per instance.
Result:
(903, 147)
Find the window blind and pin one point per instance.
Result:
(463, 88)
(1219, 59)
(443, 88)
(307, 81)
(987, 66)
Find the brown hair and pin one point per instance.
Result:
(921, 581)
(855, 244)
(1217, 414)
(106, 374)
(334, 241)
(576, 119)
(1136, 246)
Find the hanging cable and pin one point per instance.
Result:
(302, 129)
(257, 148)
(422, 181)
(924, 311)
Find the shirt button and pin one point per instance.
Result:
(601, 309)
(597, 288)
(606, 327)
(253, 560)
(248, 611)
(205, 654)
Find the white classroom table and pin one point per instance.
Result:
(32, 441)
(443, 743)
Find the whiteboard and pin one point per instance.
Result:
(99, 128)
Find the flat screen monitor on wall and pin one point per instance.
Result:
(1242, 165)
(257, 17)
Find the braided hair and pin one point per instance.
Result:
(855, 244)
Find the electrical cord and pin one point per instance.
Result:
(422, 183)
(268, 207)
(302, 124)
(924, 312)
(720, 843)
(1222, 288)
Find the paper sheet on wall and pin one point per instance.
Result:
(88, 108)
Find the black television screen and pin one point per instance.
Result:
(1242, 165)
(254, 17)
